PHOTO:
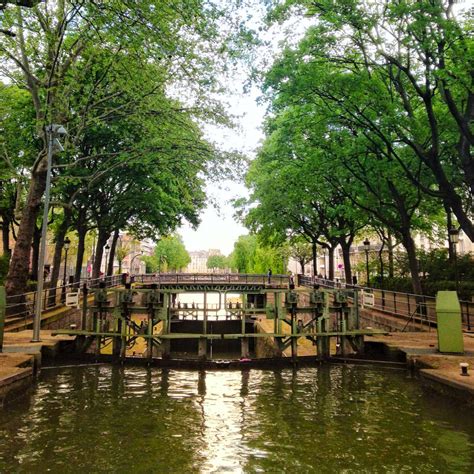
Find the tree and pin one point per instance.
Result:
(250, 256)
(414, 66)
(51, 63)
(170, 255)
(217, 262)
(338, 175)
(301, 251)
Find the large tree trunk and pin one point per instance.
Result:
(58, 247)
(6, 234)
(110, 269)
(346, 248)
(19, 266)
(409, 245)
(331, 262)
(102, 238)
(81, 246)
(35, 256)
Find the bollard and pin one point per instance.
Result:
(464, 366)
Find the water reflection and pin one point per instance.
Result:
(326, 419)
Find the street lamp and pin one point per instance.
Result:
(107, 248)
(454, 239)
(366, 249)
(53, 131)
(67, 243)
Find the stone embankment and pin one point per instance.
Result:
(21, 359)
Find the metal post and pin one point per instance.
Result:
(367, 267)
(44, 228)
(456, 276)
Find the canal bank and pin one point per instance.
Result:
(21, 360)
(439, 372)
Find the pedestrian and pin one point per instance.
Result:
(269, 274)
(291, 280)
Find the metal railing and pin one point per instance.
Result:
(213, 278)
(22, 306)
(410, 307)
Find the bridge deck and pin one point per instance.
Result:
(214, 281)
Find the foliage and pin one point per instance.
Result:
(134, 158)
(397, 74)
(301, 251)
(250, 256)
(217, 261)
(170, 255)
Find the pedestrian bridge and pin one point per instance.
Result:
(238, 282)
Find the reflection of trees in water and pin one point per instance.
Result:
(346, 417)
(328, 418)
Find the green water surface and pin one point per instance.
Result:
(331, 419)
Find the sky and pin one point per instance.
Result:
(218, 229)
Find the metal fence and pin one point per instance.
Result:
(22, 306)
(410, 307)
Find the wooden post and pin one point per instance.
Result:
(202, 348)
(244, 348)
(165, 344)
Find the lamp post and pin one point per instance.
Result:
(52, 132)
(67, 243)
(366, 250)
(454, 239)
(107, 248)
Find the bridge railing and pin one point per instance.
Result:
(213, 278)
(411, 307)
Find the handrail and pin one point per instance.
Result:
(397, 303)
(22, 306)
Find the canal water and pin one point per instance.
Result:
(330, 419)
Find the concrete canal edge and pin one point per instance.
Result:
(22, 360)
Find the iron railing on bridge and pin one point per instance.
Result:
(412, 308)
(213, 278)
(22, 307)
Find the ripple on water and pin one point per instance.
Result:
(327, 419)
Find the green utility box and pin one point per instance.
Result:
(448, 314)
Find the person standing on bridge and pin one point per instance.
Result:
(269, 274)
